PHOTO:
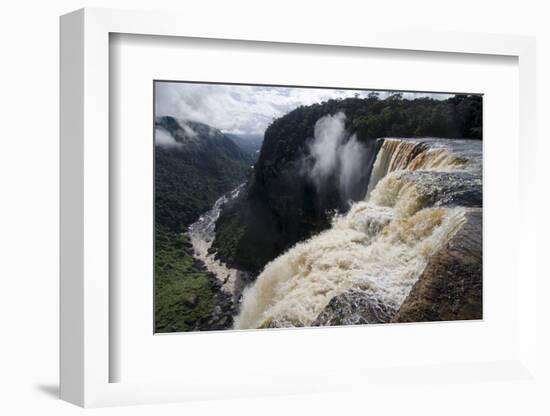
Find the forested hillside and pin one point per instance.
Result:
(193, 171)
(194, 165)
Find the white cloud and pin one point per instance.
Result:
(329, 135)
(188, 130)
(165, 139)
(243, 109)
(333, 152)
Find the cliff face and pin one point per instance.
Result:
(280, 206)
(450, 287)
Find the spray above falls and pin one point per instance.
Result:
(335, 155)
(418, 196)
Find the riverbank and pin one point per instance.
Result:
(187, 296)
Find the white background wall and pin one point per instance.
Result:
(29, 56)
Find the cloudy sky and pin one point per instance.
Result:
(243, 109)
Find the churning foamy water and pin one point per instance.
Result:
(382, 245)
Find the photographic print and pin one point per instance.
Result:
(292, 207)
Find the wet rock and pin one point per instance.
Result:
(214, 282)
(244, 279)
(280, 323)
(455, 188)
(354, 308)
(199, 265)
(450, 287)
(223, 310)
(186, 245)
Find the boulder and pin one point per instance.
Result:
(353, 308)
(451, 286)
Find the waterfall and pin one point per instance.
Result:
(416, 200)
(396, 154)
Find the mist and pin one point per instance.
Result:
(165, 139)
(190, 132)
(353, 156)
(336, 154)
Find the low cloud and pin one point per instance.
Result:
(165, 139)
(352, 161)
(243, 109)
(329, 135)
(335, 153)
(188, 130)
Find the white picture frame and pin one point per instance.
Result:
(84, 343)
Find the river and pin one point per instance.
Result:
(202, 233)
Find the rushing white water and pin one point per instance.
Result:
(202, 234)
(381, 246)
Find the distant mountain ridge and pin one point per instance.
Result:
(250, 143)
(192, 171)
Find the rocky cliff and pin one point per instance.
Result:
(450, 287)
